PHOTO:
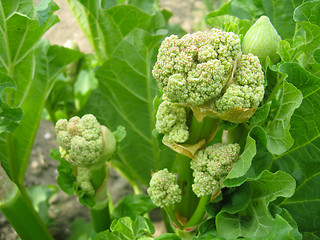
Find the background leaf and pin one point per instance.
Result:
(124, 97)
(251, 10)
(302, 160)
(33, 65)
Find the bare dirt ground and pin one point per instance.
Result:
(42, 169)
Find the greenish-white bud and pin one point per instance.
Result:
(262, 40)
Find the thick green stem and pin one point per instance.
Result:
(100, 212)
(189, 202)
(197, 131)
(23, 218)
(201, 130)
(199, 213)
(100, 216)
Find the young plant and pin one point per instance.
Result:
(87, 146)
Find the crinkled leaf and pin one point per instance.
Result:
(308, 12)
(284, 213)
(125, 228)
(260, 161)
(224, 20)
(302, 160)
(255, 220)
(279, 137)
(9, 116)
(244, 162)
(40, 196)
(133, 206)
(124, 97)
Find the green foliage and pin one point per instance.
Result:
(249, 218)
(33, 65)
(133, 206)
(125, 228)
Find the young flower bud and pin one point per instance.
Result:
(84, 142)
(164, 190)
(262, 40)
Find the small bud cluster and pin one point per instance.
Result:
(211, 166)
(247, 87)
(163, 189)
(80, 139)
(195, 68)
(84, 180)
(171, 121)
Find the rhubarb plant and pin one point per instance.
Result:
(221, 124)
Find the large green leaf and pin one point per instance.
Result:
(35, 76)
(124, 97)
(252, 10)
(279, 138)
(106, 26)
(33, 66)
(253, 220)
(302, 160)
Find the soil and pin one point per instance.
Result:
(42, 169)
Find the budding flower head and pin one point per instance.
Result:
(262, 40)
(211, 165)
(164, 190)
(83, 141)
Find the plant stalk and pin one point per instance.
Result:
(100, 212)
(197, 132)
(16, 206)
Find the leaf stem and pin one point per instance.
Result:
(23, 218)
(199, 213)
(186, 207)
(100, 212)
